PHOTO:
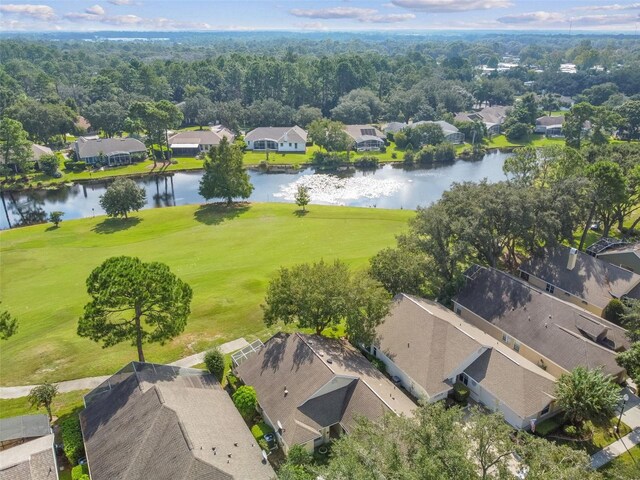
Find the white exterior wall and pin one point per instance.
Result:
(407, 382)
(295, 147)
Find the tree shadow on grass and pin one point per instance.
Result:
(52, 227)
(301, 213)
(113, 225)
(216, 213)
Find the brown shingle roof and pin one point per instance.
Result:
(327, 382)
(442, 343)
(544, 323)
(167, 423)
(592, 279)
(32, 460)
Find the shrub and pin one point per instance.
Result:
(245, 400)
(262, 443)
(426, 154)
(460, 393)
(79, 471)
(233, 381)
(49, 164)
(613, 311)
(445, 152)
(379, 364)
(72, 439)
(298, 455)
(549, 425)
(517, 131)
(394, 155)
(214, 360)
(367, 161)
(75, 166)
(260, 429)
(408, 158)
(328, 159)
(571, 430)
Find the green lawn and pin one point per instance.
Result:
(227, 256)
(63, 404)
(500, 141)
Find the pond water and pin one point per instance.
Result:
(385, 187)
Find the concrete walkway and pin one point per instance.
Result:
(630, 416)
(92, 382)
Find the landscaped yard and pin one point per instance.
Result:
(227, 256)
(602, 437)
(500, 141)
(630, 457)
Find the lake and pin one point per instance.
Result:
(386, 187)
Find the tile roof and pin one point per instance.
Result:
(278, 134)
(554, 328)
(326, 381)
(88, 148)
(593, 280)
(430, 343)
(33, 460)
(156, 421)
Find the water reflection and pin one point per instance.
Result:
(387, 187)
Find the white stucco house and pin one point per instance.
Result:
(277, 139)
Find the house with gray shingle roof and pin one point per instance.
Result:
(544, 329)
(162, 422)
(277, 139)
(109, 151)
(311, 388)
(430, 348)
(623, 255)
(32, 460)
(366, 138)
(580, 278)
(493, 117)
(193, 142)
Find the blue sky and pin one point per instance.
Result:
(319, 15)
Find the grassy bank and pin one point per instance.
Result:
(227, 256)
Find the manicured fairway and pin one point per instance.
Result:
(227, 256)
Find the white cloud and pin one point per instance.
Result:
(614, 6)
(95, 10)
(533, 17)
(364, 15)
(619, 19)
(452, 5)
(391, 18)
(39, 12)
(311, 26)
(336, 12)
(121, 2)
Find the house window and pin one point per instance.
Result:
(458, 310)
(524, 276)
(516, 346)
(463, 378)
(375, 352)
(295, 145)
(549, 288)
(545, 410)
(289, 144)
(281, 144)
(506, 338)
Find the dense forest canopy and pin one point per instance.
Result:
(263, 79)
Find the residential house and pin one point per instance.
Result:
(162, 422)
(544, 329)
(550, 125)
(194, 142)
(617, 252)
(17, 430)
(493, 117)
(33, 460)
(429, 348)
(109, 151)
(365, 138)
(37, 151)
(451, 133)
(579, 278)
(311, 388)
(277, 139)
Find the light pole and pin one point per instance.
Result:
(625, 399)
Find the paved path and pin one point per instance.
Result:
(92, 382)
(630, 416)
